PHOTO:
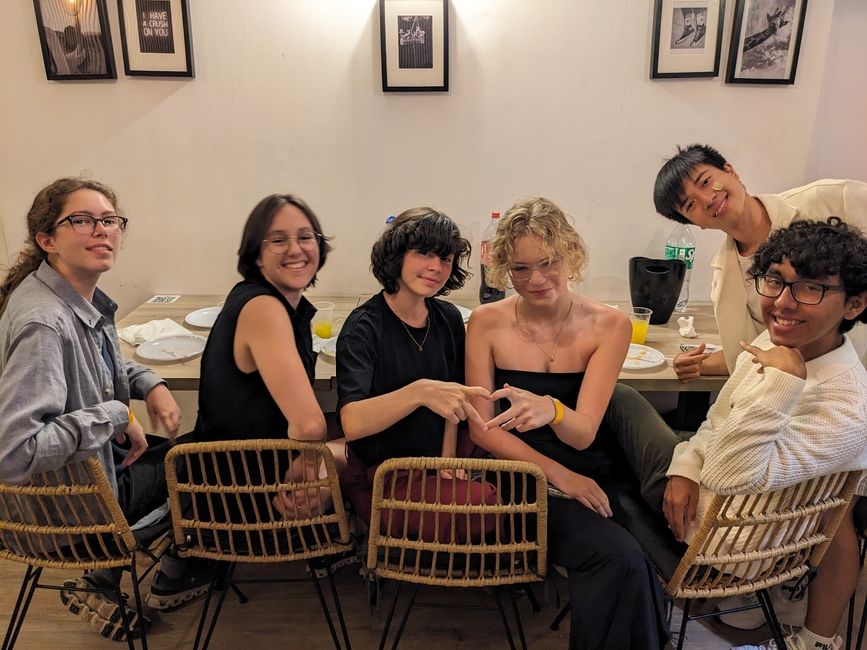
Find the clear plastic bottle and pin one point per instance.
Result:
(680, 245)
(487, 293)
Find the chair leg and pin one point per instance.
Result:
(25, 594)
(324, 605)
(771, 617)
(336, 598)
(555, 624)
(227, 580)
(405, 617)
(517, 614)
(862, 625)
(136, 592)
(387, 625)
(531, 596)
(503, 618)
(121, 601)
(682, 636)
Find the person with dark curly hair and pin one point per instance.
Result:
(794, 408)
(700, 187)
(400, 359)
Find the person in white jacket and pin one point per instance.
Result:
(794, 408)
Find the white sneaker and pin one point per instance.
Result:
(789, 606)
(794, 642)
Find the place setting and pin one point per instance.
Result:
(163, 340)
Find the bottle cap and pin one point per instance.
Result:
(495, 214)
(389, 219)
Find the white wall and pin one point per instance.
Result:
(547, 97)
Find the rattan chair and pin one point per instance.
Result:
(747, 544)
(425, 538)
(220, 495)
(67, 518)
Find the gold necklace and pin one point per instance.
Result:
(559, 334)
(420, 346)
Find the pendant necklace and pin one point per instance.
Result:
(533, 336)
(420, 346)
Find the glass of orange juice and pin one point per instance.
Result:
(640, 317)
(323, 320)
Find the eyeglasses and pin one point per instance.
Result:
(806, 293)
(522, 272)
(278, 244)
(85, 224)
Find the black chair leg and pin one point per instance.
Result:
(136, 592)
(25, 594)
(503, 618)
(518, 623)
(324, 606)
(555, 624)
(388, 618)
(226, 580)
(682, 636)
(121, 601)
(531, 596)
(336, 597)
(862, 626)
(771, 617)
(405, 618)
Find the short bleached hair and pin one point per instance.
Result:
(543, 219)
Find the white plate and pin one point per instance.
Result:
(325, 346)
(465, 313)
(203, 317)
(172, 348)
(708, 347)
(640, 357)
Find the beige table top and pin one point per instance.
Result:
(184, 375)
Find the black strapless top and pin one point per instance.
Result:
(593, 461)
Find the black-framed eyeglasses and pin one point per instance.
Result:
(85, 224)
(522, 272)
(279, 243)
(806, 293)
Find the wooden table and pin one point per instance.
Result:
(184, 375)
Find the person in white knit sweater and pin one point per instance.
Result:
(795, 406)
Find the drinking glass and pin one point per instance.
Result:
(323, 320)
(640, 317)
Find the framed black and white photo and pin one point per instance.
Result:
(75, 39)
(687, 37)
(766, 41)
(414, 42)
(156, 38)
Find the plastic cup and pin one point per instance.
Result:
(323, 320)
(640, 317)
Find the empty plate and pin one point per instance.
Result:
(325, 346)
(172, 348)
(708, 347)
(203, 317)
(640, 357)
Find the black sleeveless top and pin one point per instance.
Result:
(234, 405)
(593, 461)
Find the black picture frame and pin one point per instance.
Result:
(765, 47)
(75, 39)
(414, 45)
(687, 38)
(155, 35)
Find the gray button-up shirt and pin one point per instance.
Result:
(58, 399)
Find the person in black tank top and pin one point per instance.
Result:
(551, 358)
(400, 358)
(258, 365)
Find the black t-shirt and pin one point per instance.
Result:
(375, 356)
(235, 405)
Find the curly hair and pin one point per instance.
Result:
(818, 249)
(668, 188)
(256, 229)
(47, 207)
(541, 218)
(427, 231)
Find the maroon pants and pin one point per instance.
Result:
(444, 528)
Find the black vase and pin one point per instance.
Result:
(656, 284)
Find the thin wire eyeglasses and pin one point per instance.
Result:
(278, 244)
(522, 272)
(806, 293)
(85, 224)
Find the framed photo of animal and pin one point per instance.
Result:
(687, 37)
(766, 41)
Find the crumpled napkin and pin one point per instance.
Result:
(687, 330)
(138, 334)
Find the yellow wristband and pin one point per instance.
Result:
(558, 411)
(132, 415)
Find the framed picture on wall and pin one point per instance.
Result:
(75, 39)
(687, 36)
(766, 41)
(414, 45)
(156, 38)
